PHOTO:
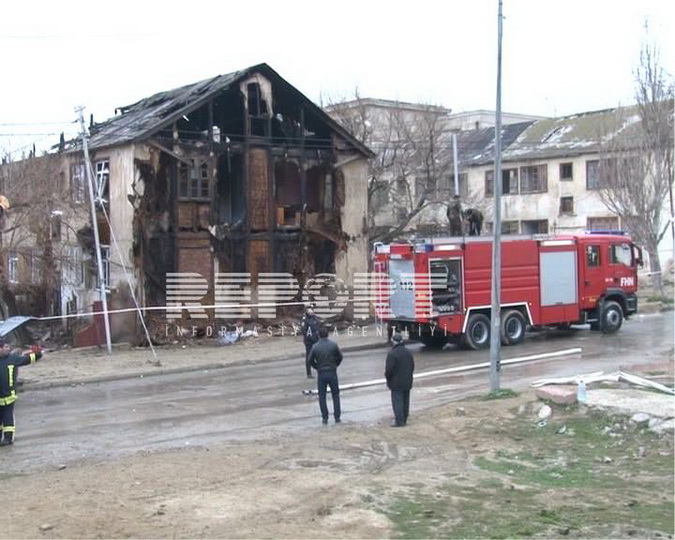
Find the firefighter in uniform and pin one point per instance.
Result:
(9, 364)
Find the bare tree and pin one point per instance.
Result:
(410, 172)
(32, 231)
(636, 173)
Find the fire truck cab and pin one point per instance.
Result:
(440, 290)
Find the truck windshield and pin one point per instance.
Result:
(620, 254)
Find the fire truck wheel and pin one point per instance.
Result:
(611, 318)
(477, 332)
(513, 327)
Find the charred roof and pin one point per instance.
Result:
(143, 119)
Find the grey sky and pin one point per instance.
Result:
(558, 57)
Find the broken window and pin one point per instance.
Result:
(77, 183)
(509, 182)
(257, 110)
(566, 171)
(193, 180)
(288, 190)
(316, 180)
(566, 205)
(533, 179)
(102, 171)
(535, 226)
(231, 198)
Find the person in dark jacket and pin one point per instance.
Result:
(398, 371)
(310, 335)
(474, 217)
(9, 368)
(325, 357)
(454, 214)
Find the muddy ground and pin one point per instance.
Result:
(461, 470)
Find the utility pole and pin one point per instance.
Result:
(495, 322)
(94, 225)
(454, 161)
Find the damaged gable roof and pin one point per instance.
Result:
(147, 116)
(578, 134)
(477, 146)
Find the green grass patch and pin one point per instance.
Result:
(584, 473)
(500, 394)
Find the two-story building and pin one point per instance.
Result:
(237, 174)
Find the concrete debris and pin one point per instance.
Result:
(599, 376)
(652, 410)
(561, 395)
(640, 418)
(545, 412)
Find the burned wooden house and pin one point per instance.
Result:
(237, 173)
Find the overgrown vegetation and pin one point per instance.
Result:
(584, 474)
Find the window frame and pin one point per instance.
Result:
(534, 179)
(512, 181)
(566, 212)
(78, 189)
(594, 174)
(13, 267)
(613, 259)
(105, 263)
(102, 179)
(614, 226)
(593, 256)
(563, 174)
(194, 182)
(526, 223)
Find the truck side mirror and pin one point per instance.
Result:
(637, 254)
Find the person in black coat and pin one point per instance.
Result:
(310, 335)
(398, 371)
(325, 357)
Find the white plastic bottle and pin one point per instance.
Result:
(581, 392)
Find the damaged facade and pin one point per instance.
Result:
(238, 173)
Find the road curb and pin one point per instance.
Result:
(157, 371)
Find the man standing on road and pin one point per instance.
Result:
(310, 335)
(9, 369)
(399, 374)
(325, 357)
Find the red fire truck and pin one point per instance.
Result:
(440, 290)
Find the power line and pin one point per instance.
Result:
(36, 123)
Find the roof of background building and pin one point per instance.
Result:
(574, 135)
